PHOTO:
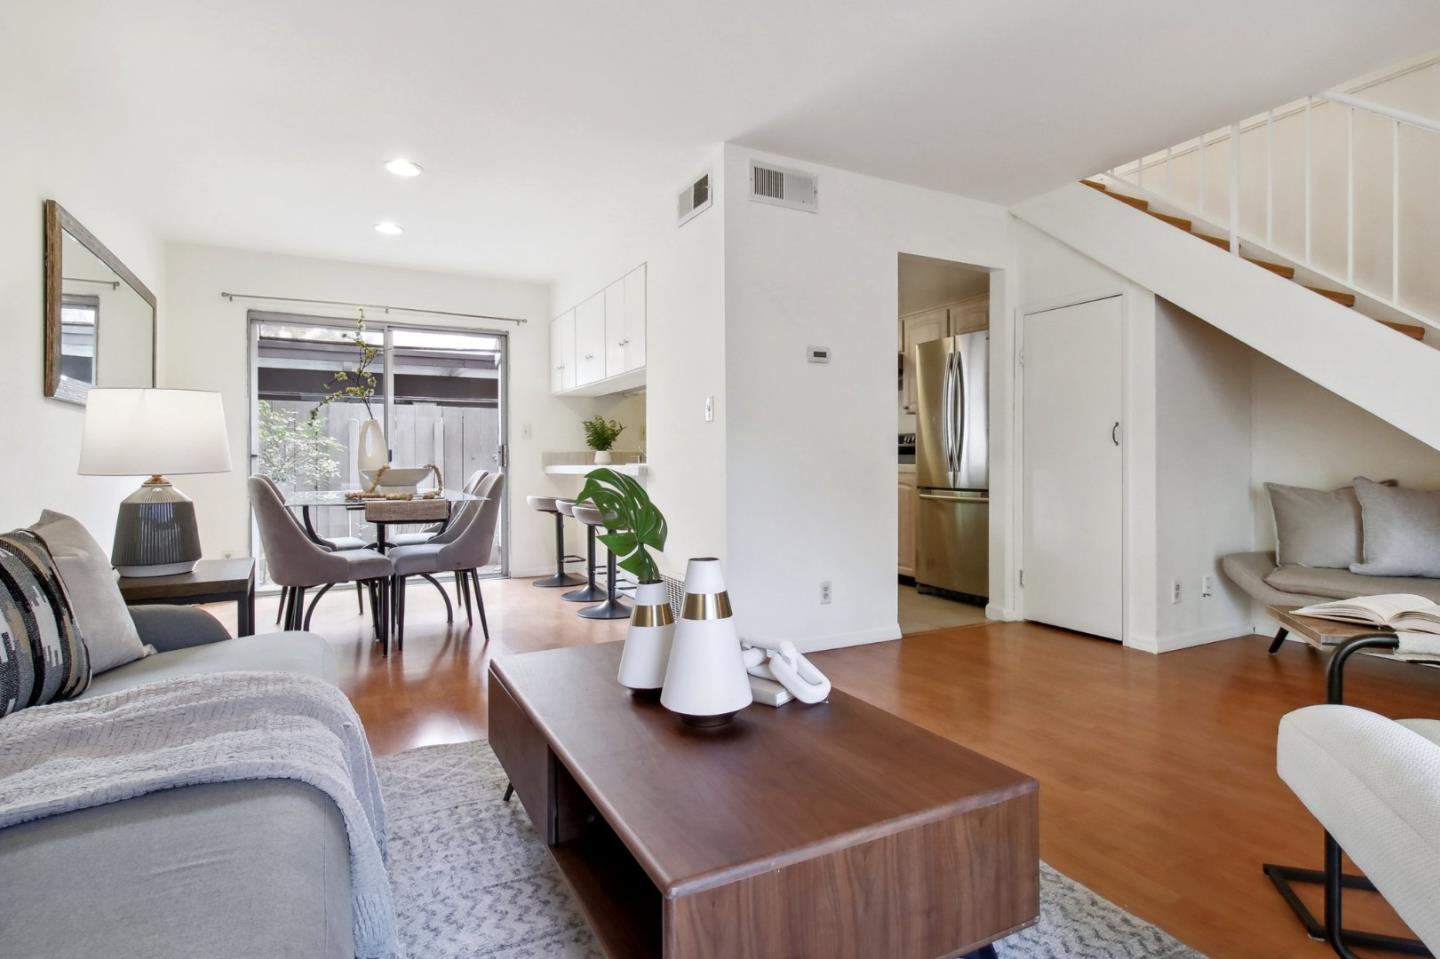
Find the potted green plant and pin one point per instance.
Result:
(634, 526)
(600, 436)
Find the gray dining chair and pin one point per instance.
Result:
(299, 563)
(465, 545)
(430, 532)
(332, 543)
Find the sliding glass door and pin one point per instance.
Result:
(438, 393)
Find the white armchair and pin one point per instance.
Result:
(1374, 784)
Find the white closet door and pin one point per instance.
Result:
(1073, 498)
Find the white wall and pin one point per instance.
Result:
(206, 348)
(1203, 445)
(685, 352)
(1308, 436)
(810, 494)
(42, 436)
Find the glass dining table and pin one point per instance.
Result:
(379, 512)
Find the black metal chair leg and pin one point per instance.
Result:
(297, 608)
(280, 610)
(360, 597)
(399, 604)
(1279, 640)
(984, 952)
(370, 588)
(449, 612)
(479, 601)
(314, 602)
(383, 618)
(509, 791)
(465, 589)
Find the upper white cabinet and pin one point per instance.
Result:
(599, 346)
(562, 352)
(590, 340)
(625, 324)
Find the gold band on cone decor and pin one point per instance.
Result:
(647, 616)
(706, 606)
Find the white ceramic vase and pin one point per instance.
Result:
(706, 682)
(370, 451)
(648, 641)
(602, 458)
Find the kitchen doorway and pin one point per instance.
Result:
(943, 335)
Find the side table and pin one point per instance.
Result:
(211, 581)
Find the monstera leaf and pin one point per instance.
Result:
(638, 526)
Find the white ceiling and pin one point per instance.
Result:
(263, 123)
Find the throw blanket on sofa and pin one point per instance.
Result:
(217, 728)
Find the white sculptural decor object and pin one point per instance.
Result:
(705, 681)
(648, 640)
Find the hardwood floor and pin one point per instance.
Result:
(1157, 781)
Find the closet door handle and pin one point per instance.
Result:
(1115, 433)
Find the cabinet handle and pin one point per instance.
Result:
(589, 356)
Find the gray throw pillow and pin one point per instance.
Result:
(100, 611)
(1315, 527)
(1402, 531)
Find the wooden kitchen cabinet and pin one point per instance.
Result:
(963, 316)
(908, 506)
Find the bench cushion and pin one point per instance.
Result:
(1343, 584)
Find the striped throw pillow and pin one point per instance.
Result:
(42, 655)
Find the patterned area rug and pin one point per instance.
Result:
(472, 880)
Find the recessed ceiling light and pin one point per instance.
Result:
(403, 167)
(389, 228)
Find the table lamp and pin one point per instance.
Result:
(135, 432)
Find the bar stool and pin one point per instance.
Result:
(614, 606)
(591, 591)
(546, 504)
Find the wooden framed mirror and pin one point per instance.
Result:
(99, 317)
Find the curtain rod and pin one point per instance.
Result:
(113, 284)
(232, 297)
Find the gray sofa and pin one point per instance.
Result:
(1273, 585)
(248, 869)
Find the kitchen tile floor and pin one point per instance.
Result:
(920, 613)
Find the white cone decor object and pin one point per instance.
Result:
(648, 641)
(370, 452)
(706, 682)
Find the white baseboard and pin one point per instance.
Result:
(994, 611)
(863, 637)
(1199, 637)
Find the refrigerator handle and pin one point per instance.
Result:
(960, 411)
(947, 406)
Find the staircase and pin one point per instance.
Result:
(1344, 298)
(1308, 327)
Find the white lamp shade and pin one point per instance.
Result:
(137, 432)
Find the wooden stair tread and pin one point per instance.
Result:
(1136, 202)
(1344, 299)
(1414, 332)
(1095, 185)
(1179, 221)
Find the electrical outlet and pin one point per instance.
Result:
(709, 409)
(825, 593)
(1174, 591)
(1207, 586)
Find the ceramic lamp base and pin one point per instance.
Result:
(155, 532)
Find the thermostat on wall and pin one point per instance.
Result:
(817, 354)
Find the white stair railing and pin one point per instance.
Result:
(1159, 174)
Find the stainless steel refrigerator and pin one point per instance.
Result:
(952, 465)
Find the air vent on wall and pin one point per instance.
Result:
(782, 187)
(694, 199)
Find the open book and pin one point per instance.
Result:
(1402, 612)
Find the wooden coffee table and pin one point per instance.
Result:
(836, 830)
